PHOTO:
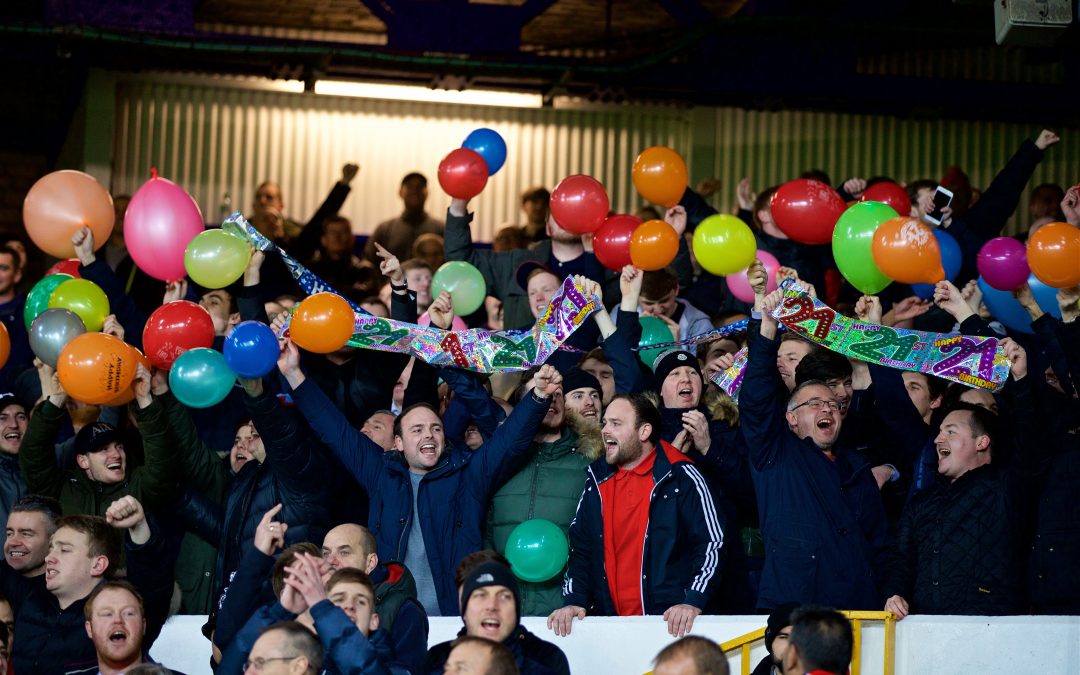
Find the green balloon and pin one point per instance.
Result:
(215, 258)
(463, 282)
(653, 332)
(853, 245)
(537, 550)
(38, 299)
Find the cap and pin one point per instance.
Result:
(94, 437)
(671, 359)
(528, 267)
(490, 574)
(576, 378)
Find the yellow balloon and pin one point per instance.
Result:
(85, 299)
(723, 244)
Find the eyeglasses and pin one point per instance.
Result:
(260, 662)
(818, 404)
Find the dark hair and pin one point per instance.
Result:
(416, 264)
(351, 575)
(818, 175)
(414, 175)
(922, 184)
(474, 559)
(822, 638)
(336, 218)
(406, 411)
(536, 194)
(824, 365)
(644, 413)
(288, 557)
(502, 659)
(16, 261)
(762, 203)
(103, 538)
(119, 584)
(301, 640)
(647, 213)
(707, 656)
(1045, 202)
(935, 386)
(596, 354)
(510, 238)
(982, 422)
(656, 284)
(148, 669)
(43, 504)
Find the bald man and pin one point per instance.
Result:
(400, 614)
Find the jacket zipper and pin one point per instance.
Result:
(645, 541)
(532, 491)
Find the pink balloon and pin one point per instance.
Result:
(160, 222)
(739, 286)
(1002, 263)
(457, 324)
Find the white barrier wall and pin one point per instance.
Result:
(924, 644)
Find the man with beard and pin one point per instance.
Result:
(647, 537)
(564, 254)
(821, 514)
(13, 420)
(549, 486)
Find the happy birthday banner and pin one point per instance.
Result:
(476, 349)
(971, 360)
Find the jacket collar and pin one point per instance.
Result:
(666, 457)
(565, 445)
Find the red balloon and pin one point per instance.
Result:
(69, 267)
(806, 210)
(611, 244)
(463, 173)
(890, 194)
(173, 329)
(579, 204)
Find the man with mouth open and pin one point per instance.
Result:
(116, 624)
(647, 538)
(822, 518)
(491, 609)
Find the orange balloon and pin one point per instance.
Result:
(1053, 254)
(907, 251)
(660, 176)
(128, 395)
(59, 204)
(5, 344)
(322, 323)
(96, 368)
(653, 245)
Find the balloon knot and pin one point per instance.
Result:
(153, 173)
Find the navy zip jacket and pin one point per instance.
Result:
(823, 521)
(453, 497)
(684, 540)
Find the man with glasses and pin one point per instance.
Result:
(285, 648)
(822, 519)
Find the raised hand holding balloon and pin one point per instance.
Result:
(579, 204)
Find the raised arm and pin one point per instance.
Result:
(154, 482)
(120, 303)
(761, 416)
(199, 464)
(618, 345)
(307, 241)
(149, 565)
(37, 458)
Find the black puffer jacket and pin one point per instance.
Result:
(959, 545)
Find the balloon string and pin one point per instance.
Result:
(153, 173)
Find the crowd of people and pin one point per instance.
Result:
(318, 516)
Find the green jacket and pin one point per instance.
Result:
(548, 487)
(152, 483)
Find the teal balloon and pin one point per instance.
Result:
(653, 332)
(38, 299)
(537, 550)
(463, 282)
(200, 378)
(853, 245)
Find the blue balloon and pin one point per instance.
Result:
(951, 258)
(200, 378)
(1046, 296)
(489, 145)
(251, 350)
(1006, 308)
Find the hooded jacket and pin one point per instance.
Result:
(401, 616)
(684, 541)
(546, 488)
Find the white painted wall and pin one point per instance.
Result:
(924, 644)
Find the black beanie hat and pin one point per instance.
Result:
(671, 359)
(490, 574)
(576, 378)
(780, 617)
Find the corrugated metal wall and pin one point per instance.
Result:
(771, 147)
(214, 140)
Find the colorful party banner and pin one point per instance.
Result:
(476, 349)
(972, 360)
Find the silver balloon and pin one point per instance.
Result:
(51, 331)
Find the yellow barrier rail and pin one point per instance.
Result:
(745, 643)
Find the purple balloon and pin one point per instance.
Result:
(1002, 264)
